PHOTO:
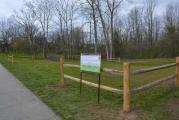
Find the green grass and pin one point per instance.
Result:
(42, 77)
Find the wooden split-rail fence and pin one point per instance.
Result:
(10, 58)
(127, 91)
(114, 60)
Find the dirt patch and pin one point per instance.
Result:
(172, 107)
(110, 114)
(135, 113)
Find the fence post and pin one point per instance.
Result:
(62, 71)
(177, 71)
(126, 88)
(12, 59)
(33, 58)
(8, 58)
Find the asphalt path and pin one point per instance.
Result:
(19, 103)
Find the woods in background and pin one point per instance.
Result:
(70, 27)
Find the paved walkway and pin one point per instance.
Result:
(18, 103)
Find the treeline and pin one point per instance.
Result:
(71, 27)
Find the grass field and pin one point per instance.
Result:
(42, 77)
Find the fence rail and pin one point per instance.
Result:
(153, 69)
(71, 65)
(107, 70)
(114, 90)
(126, 73)
(114, 60)
(112, 71)
(137, 72)
(153, 84)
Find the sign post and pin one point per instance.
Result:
(91, 64)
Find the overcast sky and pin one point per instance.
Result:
(7, 6)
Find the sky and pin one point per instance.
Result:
(159, 10)
(8, 6)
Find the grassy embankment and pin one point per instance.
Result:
(41, 76)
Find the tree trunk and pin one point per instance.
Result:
(95, 31)
(104, 30)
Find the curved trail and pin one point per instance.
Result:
(19, 103)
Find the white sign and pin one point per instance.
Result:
(90, 63)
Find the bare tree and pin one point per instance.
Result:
(5, 34)
(43, 10)
(172, 29)
(66, 14)
(112, 8)
(93, 14)
(149, 19)
(9, 32)
(136, 27)
(27, 19)
(101, 14)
